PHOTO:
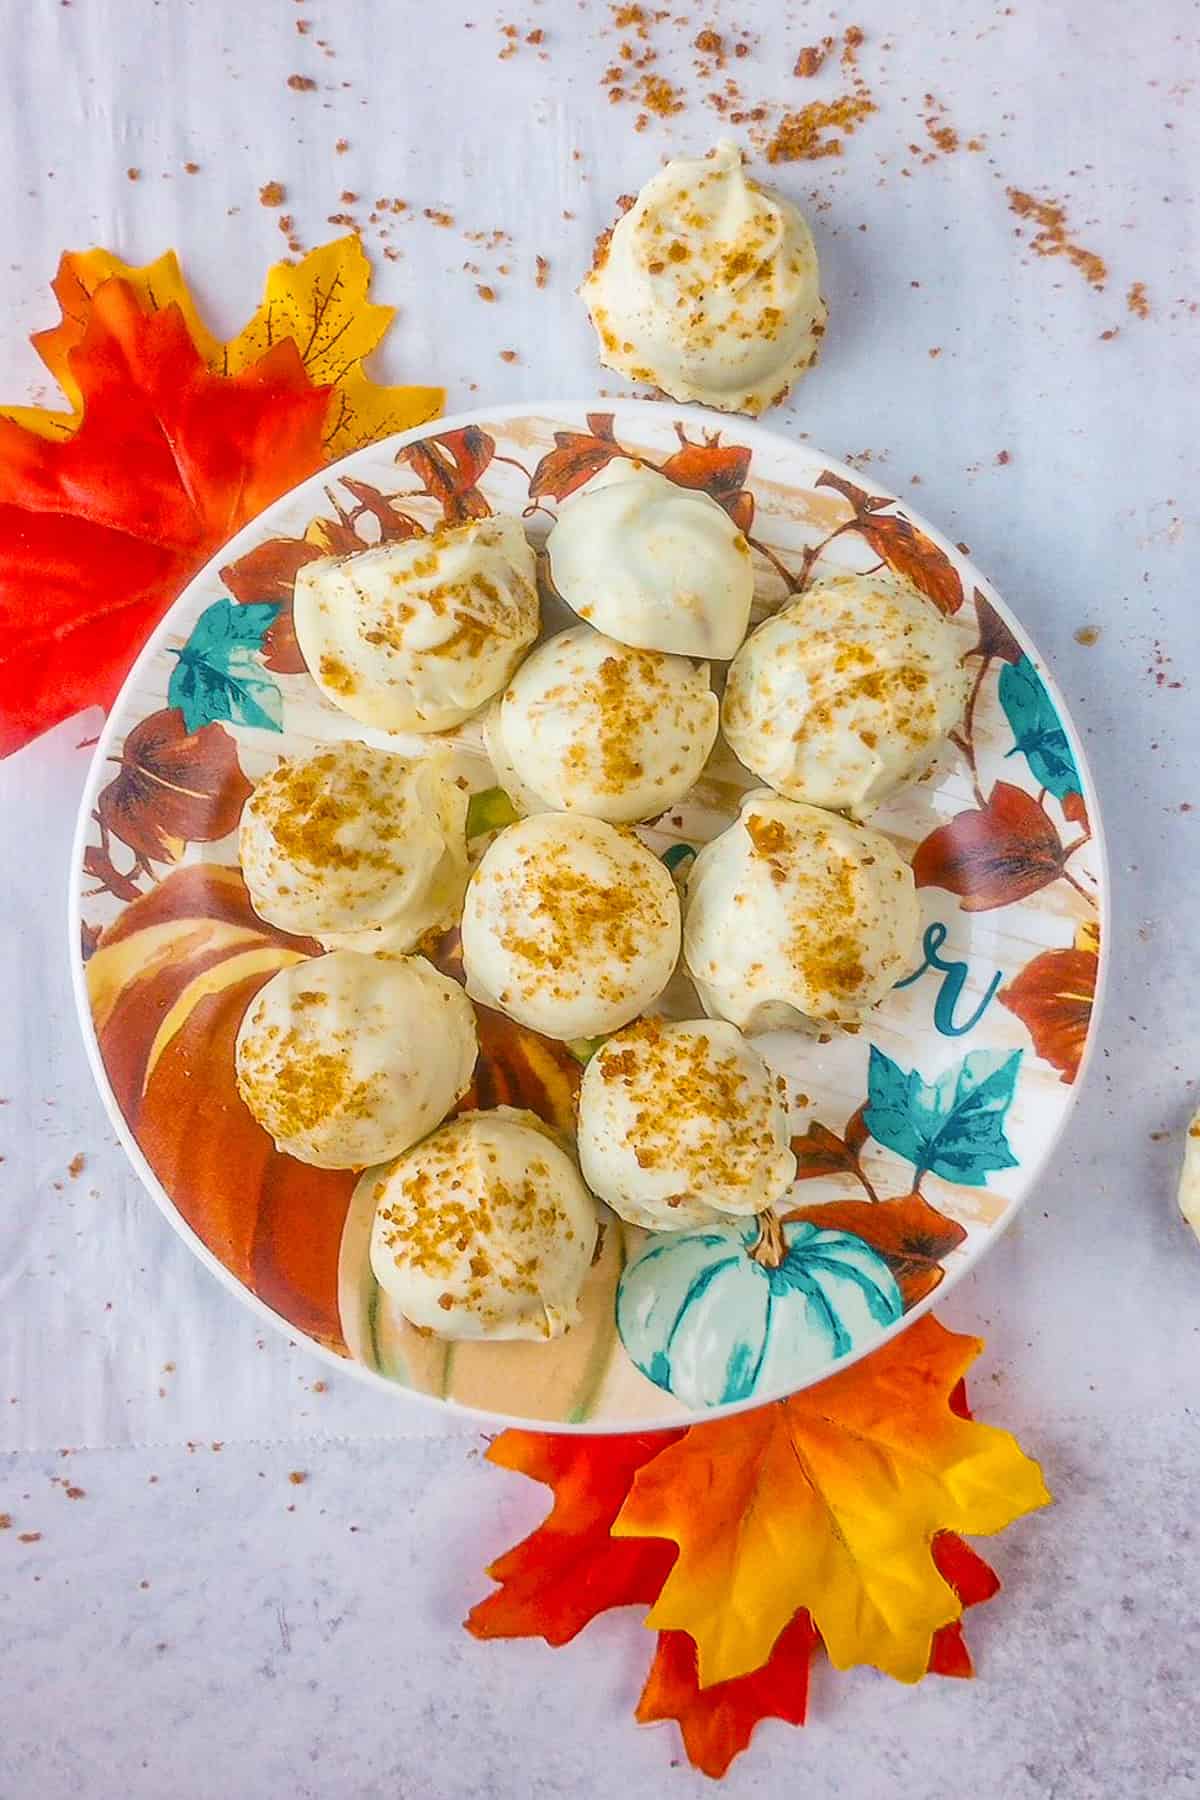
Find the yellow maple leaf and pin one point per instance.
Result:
(322, 302)
(830, 1501)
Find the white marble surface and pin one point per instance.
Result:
(278, 1651)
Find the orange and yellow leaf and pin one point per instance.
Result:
(830, 1501)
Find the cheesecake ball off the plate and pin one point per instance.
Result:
(484, 1229)
(708, 287)
(845, 694)
(797, 914)
(589, 725)
(347, 1059)
(357, 847)
(570, 926)
(417, 635)
(681, 1124)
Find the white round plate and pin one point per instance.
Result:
(918, 1137)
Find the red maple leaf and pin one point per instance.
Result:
(1053, 997)
(993, 855)
(556, 1580)
(99, 532)
(717, 1722)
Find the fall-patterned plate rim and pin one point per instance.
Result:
(758, 437)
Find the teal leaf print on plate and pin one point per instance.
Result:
(952, 1127)
(219, 675)
(1037, 729)
(705, 1320)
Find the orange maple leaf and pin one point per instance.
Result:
(830, 1501)
(101, 530)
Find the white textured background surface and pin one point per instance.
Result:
(178, 1629)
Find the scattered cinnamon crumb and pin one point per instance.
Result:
(543, 271)
(304, 26)
(508, 356)
(77, 1165)
(191, 168)
(936, 351)
(391, 254)
(801, 136)
(742, 49)
(342, 145)
(1138, 301)
(29, 1537)
(134, 174)
(272, 193)
(1003, 457)
(1088, 635)
(1053, 235)
(347, 198)
(852, 45)
(809, 61)
(5, 1521)
(485, 292)
(298, 1477)
(75, 1493)
(710, 42)
(438, 216)
(1106, 337)
(320, 1387)
(301, 84)
(534, 37)
(343, 218)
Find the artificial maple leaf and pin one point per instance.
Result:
(990, 856)
(576, 457)
(912, 1236)
(321, 303)
(829, 1500)
(558, 1578)
(717, 1722)
(717, 469)
(904, 548)
(995, 639)
(974, 1581)
(1053, 997)
(448, 467)
(98, 533)
(174, 787)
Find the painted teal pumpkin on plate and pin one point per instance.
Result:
(709, 1323)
